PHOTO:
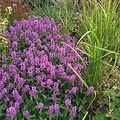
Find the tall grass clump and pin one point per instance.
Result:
(99, 28)
(36, 81)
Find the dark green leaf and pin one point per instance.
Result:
(44, 96)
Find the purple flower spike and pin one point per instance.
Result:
(26, 113)
(90, 90)
(11, 110)
(50, 110)
(56, 108)
(4, 59)
(15, 93)
(67, 102)
(60, 26)
(17, 105)
(15, 45)
(11, 103)
(73, 111)
(6, 99)
(39, 106)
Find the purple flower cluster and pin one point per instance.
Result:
(52, 108)
(4, 59)
(73, 111)
(39, 106)
(17, 97)
(90, 90)
(67, 102)
(56, 108)
(39, 63)
(33, 92)
(11, 111)
(74, 90)
(26, 113)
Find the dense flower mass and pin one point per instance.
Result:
(38, 75)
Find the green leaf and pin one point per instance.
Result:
(65, 114)
(45, 107)
(33, 116)
(4, 106)
(116, 114)
(62, 84)
(27, 118)
(15, 117)
(46, 112)
(9, 115)
(117, 101)
(80, 108)
(85, 115)
(44, 96)
(63, 107)
(40, 118)
(118, 109)
(66, 91)
(25, 107)
(1, 114)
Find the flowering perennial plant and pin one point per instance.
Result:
(35, 80)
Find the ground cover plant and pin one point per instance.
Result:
(35, 77)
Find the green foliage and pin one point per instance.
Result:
(101, 116)
(110, 107)
(99, 30)
(114, 106)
